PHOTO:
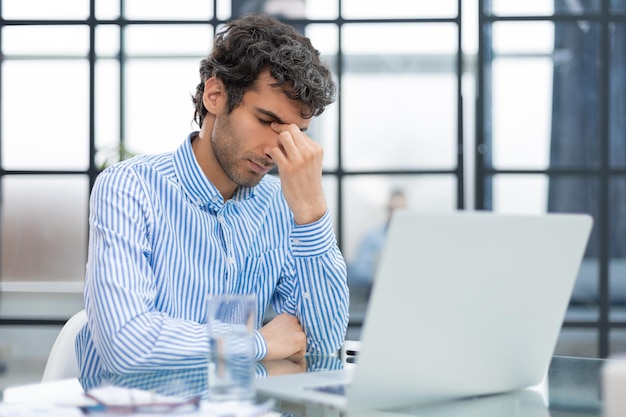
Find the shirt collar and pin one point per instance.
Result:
(195, 184)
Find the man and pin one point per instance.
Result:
(167, 230)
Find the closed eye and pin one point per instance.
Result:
(266, 122)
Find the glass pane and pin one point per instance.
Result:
(107, 40)
(577, 194)
(617, 341)
(37, 299)
(617, 289)
(577, 342)
(290, 9)
(325, 39)
(420, 132)
(366, 200)
(174, 40)
(469, 26)
(523, 194)
(294, 9)
(382, 38)
(168, 108)
(321, 9)
(618, 6)
(518, 143)
(617, 91)
(359, 9)
(553, 120)
(44, 228)
(24, 351)
(542, 7)
(575, 116)
(521, 113)
(168, 10)
(45, 121)
(536, 194)
(45, 40)
(107, 102)
(224, 8)
(512, 38)
(617, 248)
(107, 9)
(416, 79)
(45, 9)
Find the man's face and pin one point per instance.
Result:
(239, 139)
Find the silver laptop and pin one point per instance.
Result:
(463, 304)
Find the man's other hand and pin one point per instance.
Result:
(284, 337)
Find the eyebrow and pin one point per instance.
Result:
(276, 117)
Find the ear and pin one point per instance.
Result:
(214, 97)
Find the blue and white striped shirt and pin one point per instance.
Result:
(162, 239)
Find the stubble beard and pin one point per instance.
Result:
(226, 150)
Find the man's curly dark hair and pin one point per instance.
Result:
(256, 43)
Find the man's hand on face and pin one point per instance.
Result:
(299, 162)
(285, 338)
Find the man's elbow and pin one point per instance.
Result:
(121, 358)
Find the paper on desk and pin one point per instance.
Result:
(67, 391)
(31, 410)
(205, 410)
(237, 410)
(34, 410)
(115, 398)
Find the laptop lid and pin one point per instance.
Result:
(463, 304)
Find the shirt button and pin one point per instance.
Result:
(231, 260)
(220, 218)
(306, 295)
(297, 242)
(198, 202)
(215, 199)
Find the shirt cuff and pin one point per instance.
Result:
(260, 346)
(313, 239)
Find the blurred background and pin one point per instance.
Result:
(515, 107)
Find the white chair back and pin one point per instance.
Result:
(62, 362)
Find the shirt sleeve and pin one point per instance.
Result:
(315, 286)
(129, 334)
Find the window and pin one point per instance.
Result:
(551, 138)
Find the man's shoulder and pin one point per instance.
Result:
(141, 163)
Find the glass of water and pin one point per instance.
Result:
(231, 326)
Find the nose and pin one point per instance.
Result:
(270, 141)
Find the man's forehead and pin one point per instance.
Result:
(291, 113)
